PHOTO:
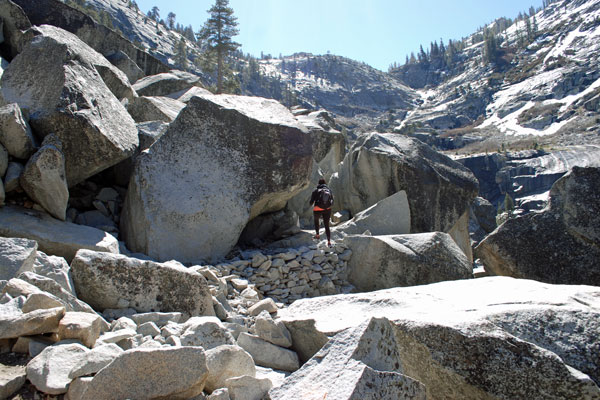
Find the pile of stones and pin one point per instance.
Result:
(290, 274)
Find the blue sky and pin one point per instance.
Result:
(378, 32)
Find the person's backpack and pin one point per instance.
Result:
(324, 197)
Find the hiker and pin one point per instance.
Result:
(322, 198)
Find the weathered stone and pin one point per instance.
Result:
(258, 134)
(17, 287)
(70, 302)
(207, 332)
(14, 323)
(15, 133)
(173, 373)
(248, 388)
(102, 279)
(560, 244)
(54, 237)
(41, 301)
(498, 337)
(226, 362)
(44, 179)
(380, 262)
(272, 331)
(267, 304)
(166, 83)
(148, 329)
(359, 363)
(390, 216)
(439, 190)
(81, 326)
(12, 378)
(16, 256)
(268, 355)
(91, 362)
(55, 268)
(13, 175)
(94, 127)
(115, 336)
(154, 108)
(49, 370)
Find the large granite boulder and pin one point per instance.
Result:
(380, 262)
(162, 373)
(358, 363)
(166, 83)
(492, 337)
(102, 39)
(439, 190)
(224, 161)
(106, 280)
(560, 244)
(64, 86)
(54, 237)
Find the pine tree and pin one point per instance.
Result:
(181, 55)
(154, 13)
(217, 33)
(171, 20)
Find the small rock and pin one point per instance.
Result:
(226, 362)
(248, 388)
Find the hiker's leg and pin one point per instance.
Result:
(316, 215)
(326, 218)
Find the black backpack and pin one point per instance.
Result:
(324, 197)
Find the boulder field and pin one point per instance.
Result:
(215, 291)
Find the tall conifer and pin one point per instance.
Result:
(217, 33)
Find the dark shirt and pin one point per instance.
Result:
(315, 193)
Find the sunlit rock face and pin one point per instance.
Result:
(557, 245)
(439, 336)
(224, 161)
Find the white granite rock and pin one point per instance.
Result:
(248, 388)
(227, 361)
(49, 370)
(84, 327)
(173, 373)
(272, 331)
(207, 332)
(91, 362)
(268, 355)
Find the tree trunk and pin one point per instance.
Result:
(219, 71)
